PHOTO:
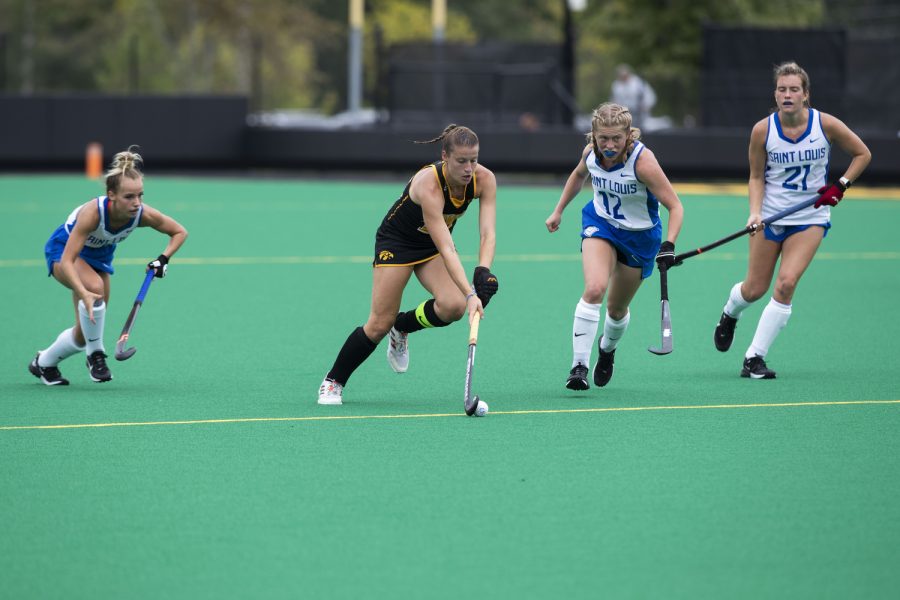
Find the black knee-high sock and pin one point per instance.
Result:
(421, 317)
(354, 352)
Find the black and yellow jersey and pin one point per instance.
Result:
(405, 220)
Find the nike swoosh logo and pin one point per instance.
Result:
(93, 340)
(811, 140)
(580, 334)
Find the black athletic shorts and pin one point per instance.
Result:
(398, 252)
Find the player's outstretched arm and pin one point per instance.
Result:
(573, 185)
(167, 225)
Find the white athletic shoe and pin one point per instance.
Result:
(330, 393)
(398, 350)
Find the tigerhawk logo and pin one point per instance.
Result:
(385, 255)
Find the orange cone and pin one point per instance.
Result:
(93, 160)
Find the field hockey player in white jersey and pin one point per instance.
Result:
(789, 154)
(80, 253)
(621, 234)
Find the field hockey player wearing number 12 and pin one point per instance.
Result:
(80, 253)
(415, 238)
(789, 154)
(621, 234)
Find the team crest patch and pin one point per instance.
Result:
(385, 255)
(589, 231)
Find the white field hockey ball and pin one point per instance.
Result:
(482, 409)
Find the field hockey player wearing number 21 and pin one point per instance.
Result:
(415, 238)
(621, 234)
(80, 255)
(789, 155)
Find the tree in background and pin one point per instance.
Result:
(289, 54)
(665, 46)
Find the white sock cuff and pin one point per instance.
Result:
(736, 303)
(785, 308)
(589, 312)
(99, 306)
(621, 322)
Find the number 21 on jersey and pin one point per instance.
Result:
(793, 173)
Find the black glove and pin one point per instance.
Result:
(665, 258)
(485, 284)
(159, 266)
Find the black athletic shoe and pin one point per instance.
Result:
(755, 368)
(604, 369)
(724, 334)
(578, 378)
(96, 364)
(47, 375)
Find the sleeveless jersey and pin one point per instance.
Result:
(795, 169)
(103, 236)
(619, 197)
(405, 221)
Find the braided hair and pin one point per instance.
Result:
(452, 136)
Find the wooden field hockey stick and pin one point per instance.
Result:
(471, 403)
(679, 258)
(121, 352)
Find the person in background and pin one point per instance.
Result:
(634, 93)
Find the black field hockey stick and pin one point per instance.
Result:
(123, 353)
(679, 258)
(471, 403)
(665, 326)
(666, 323)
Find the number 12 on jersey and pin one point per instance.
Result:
(614, 213)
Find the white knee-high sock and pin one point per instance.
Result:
(773, 319)
(61, 349)
(93, 332)
(584, 330)
(736, 303)
(613, 330)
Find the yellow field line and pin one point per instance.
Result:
(319, 260)
(445, 415)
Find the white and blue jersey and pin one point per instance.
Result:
(101, 242)
(795, 169)
(623, 211)
(619, 196)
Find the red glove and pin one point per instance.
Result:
(830, 194)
